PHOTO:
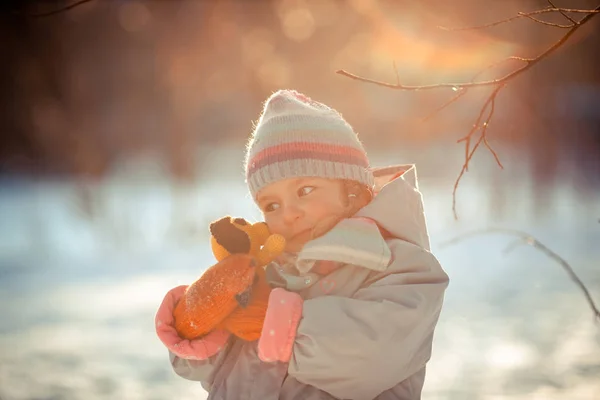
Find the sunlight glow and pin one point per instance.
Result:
(508, 355)
(298, 24)
(393, 40)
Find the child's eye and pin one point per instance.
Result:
(304, 190)
(270, 207)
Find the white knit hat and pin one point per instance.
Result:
(299, 137)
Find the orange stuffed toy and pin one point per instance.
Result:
(233, 293)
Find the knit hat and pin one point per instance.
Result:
(299, 137)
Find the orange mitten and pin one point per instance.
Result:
(247, 322)
(215, 295)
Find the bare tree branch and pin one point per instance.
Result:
(490, 102)
(529, 15)
(525, 238)
(489, 147)
(57, 11)
(463, 91)
(561, 12)
(539, 21)
(530, 63)
(498, 84)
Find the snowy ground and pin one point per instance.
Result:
(78, 292)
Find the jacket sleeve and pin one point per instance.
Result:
(199, 370)
(358, 347)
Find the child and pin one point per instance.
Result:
(357, 294)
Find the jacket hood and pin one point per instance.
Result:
(397, 205)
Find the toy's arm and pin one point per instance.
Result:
(261, 232)
(273, 247)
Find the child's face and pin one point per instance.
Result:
(300, 209)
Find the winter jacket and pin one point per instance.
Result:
(366, 327)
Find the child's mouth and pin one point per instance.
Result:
(302, 236)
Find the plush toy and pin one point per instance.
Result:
(237, 236)
(233, 293)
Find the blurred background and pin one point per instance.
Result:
(124, 124)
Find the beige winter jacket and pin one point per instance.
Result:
(366, 330)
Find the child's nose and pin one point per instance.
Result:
(292, 213)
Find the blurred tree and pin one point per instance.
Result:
(39, 129)
(88, 83)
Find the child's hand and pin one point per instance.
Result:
(279, 330)
(247, 322)
(195, 349)
(215, 295)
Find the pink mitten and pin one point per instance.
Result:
(195, 349)
(281, 322)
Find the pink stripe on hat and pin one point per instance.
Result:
(307, 150)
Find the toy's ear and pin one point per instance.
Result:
(240, 221)
(229, 236)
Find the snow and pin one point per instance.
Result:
(79, 289)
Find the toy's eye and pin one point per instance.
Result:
(304, 190)
(240, 221)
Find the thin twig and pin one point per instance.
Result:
(490, 102)
(463, 91)
(523, 15)
(496, 63)
(489, 147)
(539, 21)
(564, 14)
(57, 11)
(397, 74)
(464, 169)
(528, 239)
(512, 245)
(468, 155)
